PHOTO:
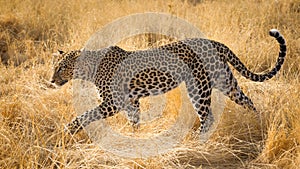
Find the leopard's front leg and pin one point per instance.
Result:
(133, 113)
(104, 110)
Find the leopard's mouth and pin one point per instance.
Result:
(63, 82)
(59, 83)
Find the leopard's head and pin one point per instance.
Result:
(64, 66)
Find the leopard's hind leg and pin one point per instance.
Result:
(230, 88)
(199, 91)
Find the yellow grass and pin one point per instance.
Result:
(32, 113)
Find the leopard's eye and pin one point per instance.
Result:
(60, 69)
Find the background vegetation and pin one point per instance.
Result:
(32, 112)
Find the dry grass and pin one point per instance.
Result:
(33, 114)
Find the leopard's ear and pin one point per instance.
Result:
(57, 56)
(60, 51)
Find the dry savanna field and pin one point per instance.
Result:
(33, 112)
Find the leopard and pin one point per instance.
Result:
(123, 77)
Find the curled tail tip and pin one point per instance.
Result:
(274, 32)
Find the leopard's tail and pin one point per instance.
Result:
(239, 66)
